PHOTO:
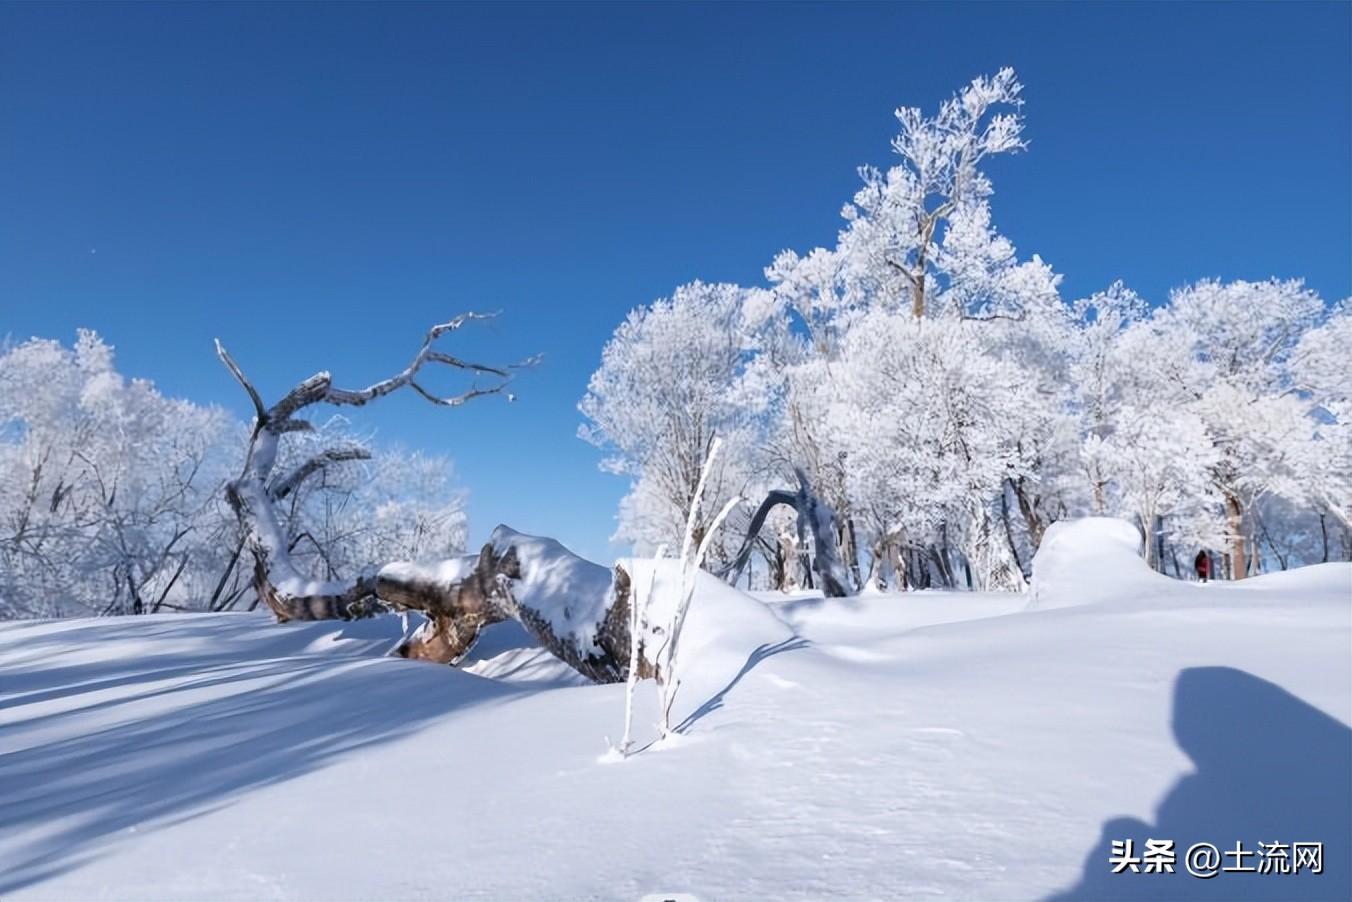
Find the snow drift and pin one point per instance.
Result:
(927, 744)
(724, 627)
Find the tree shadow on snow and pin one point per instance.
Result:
(1269, 768)
(714, 702)
(186, 734)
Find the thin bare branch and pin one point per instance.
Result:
(235, 371)
(989, 317)
(288, 484)
(901, 269)
(320, 388)
(448, 360)
(457, 400)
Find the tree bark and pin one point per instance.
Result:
(816, 521)
(1009, 535)
(852, 538)
(1028, 507)
(1235, 517)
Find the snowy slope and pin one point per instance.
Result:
(925, 745)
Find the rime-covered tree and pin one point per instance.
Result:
(945, 405)
(111, 495)
(673, 378)
(895, 237)
(107, 488)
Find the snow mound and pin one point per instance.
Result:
(507, 653)
(1333, 578)
(1090, 560)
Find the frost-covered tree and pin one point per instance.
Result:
(1320, 371)
(1224, 350)
(111, 495)
(672, 379)
(1161, 461)
(921, 232)
(945, 405)
(1096, 374)
(107, 488)
(894, 239)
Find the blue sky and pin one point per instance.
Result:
(316, 184)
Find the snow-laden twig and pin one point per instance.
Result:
(637, 625)
(689, 563)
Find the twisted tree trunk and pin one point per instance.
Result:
(816, 520)
(252, 496)
(460, 596)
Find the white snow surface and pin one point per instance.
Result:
(446, 572)
(946, 745)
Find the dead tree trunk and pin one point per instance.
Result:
(852, 543)
(1029, 507)
(253, 496)
(588, 629)
(577, 610)
(1026, 570)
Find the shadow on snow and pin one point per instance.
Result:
(183, 734)
(1269, 768)
(714, 702)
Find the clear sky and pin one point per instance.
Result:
(316, 184)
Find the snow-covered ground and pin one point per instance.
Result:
(891, 746)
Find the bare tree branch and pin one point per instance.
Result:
(457, 400)
(385, 386)
(990, 317)
(283, 487)
(254, 495)
(235, 371)
(439, 357)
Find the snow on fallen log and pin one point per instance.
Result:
(580, 612)
(569, 593)
(444, 573)
(576, 609)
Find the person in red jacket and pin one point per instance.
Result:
(1203, 565)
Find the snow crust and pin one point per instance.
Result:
(947, 745)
